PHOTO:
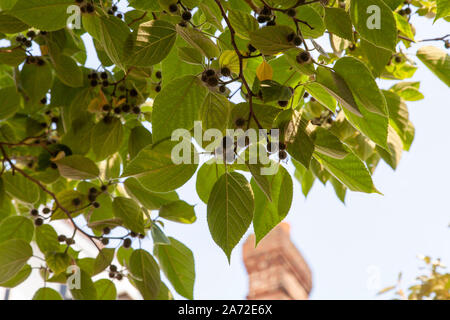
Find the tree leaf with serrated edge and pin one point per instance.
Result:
(106, 290)
(154, 40)
(10, 102)
(362, 84)
(87, 290)
(19, 187)
(199, 41)
(437, 60)
(14, 254)
(103, 259)
(338, 22)
(19, 278)
(150, 200)
(207, 176)
(58, 262)
(269, 214)
(156, 171)
(36, 81)
(32, 12)
(146, 274)
(230, 210)
(328, 144)
(177, 263)
(16, 227)
(304, 176)
(176, 106)
(178, 211)
(47, 238)
(77, 167)
(130, 213)
(243, 23)
(365, 15)
(47, 294)
(442, 9)
(351, 171)
(272, 40)
(106, 138)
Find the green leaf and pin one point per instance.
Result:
(164, 293)
(272, 40)
(150, 200)
(36, 81)
(178, 211)
(243, 23)
(106, 290)
(87, 290)
(338, 22)
(321, 95)
(10, 24)
(130, 213)
(304, 176)
(47, 294)
(383, 35)
(16, 227)
(442, 9)
(12, 57)
(58, 262)
(14, 254)
(207, 176)
(156, 171)
(230, 210)
(77, 167)
(260, 180)
(67, 70)
(338, 88)
(190, 55)
(328, 144)
(146, 273)
(106, 138)
(154, 40)
(314, 19)
(177, 106)
(177, 262)
(362, 84)
(32, 12)
(158, 236)
(199, 41)
(215, 112)
(339, 189)
(10, 102)
(269, 214)
(19, 187)
(47, 238)
(437, 60)
(103, 260)
(19, 278)
(139, 138)
(377, 57)
(66, 199)
(351, 171)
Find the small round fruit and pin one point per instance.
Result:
(106, 230)
(186, 15)
(303, 57)
(62, 238)
(282, 155)
(34, 212)
(291, 12)
(127, 243)
(39, 222)
(240, 122)
(105, 241)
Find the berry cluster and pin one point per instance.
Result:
(295, 39)
(114, 273)
(86, 6)
(35, 60)
(210, 77)
(282, 154)
(158, 75)
(405, 11)
(114, 11)
(27, 40)
(68, 241)
(266, 15)
(97, 79)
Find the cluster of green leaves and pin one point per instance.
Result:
(433, 285)
(75, 142)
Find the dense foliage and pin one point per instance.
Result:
(93, 146)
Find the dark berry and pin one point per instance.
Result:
(105, 83)
(290, 37)
(76, 202)
(112, 275)
(112, 268)
(158, 74)
(40, 62)
(104, 188)
(240, 122)
(94, 83)
(226, 72)
(31, 34)
(133, 234)
(271, 23)
(398, 59)
(186, 16)
(213, 81)
(306, 95)
(158, 88)
(46, 210)
(70, 241)
(62, 238)
(106, 230)
(28, 43)
(291, 12)
(265, 11)
(90, 8)
(283, 103)
(127, 243)
(282, 146)
(44, 101)
(251, 48)
(133, 93)
(53, 165)
(126, 108)
(136, 110)
(282, 154)
(93, 190)
(297, 41)
(223, 89)
(19, 38)
(92, 197)
(173, 8)
(105, 241)
(262, 19)
(141, 236)
(408, 11)
(119, 15)
(303, 57)
(117, 110)
(119, 277)
(114, 8)
(38, 222)
(110, 12)
(34, 212)
(210, 73)
(55, 119)
(43, 33)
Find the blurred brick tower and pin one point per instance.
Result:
(276, 269)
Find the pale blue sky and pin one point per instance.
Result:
(372, 236)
